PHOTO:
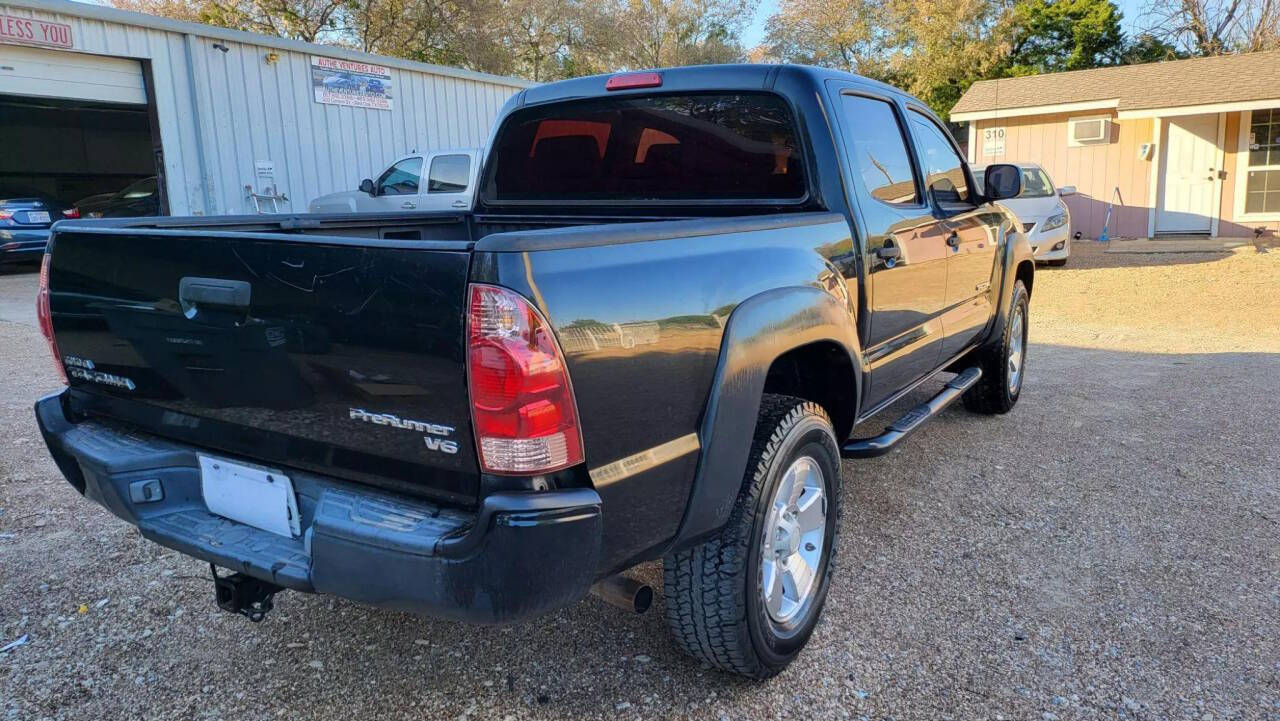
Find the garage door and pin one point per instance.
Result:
(57, 74)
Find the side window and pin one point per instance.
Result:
(401, 178)
(878, 147)
(448, 174)
(944, 170)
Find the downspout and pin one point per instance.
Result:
(206, 192)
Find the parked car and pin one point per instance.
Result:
(26, 214)
(386, 408)
(450, 185)
(1045, 218)
(138, 199)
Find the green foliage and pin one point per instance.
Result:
(1049, 36)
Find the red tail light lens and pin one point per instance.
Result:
(522, 405)
(71, 213)
(633, 80)
(46, 318)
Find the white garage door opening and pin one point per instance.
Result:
(77, 130)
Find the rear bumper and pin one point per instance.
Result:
(520, 555)
(18, 245)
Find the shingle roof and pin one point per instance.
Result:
(1175, 83)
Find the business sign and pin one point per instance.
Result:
(358, 85)
(29, 31)
(993, 141)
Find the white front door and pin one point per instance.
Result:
(1188, 181)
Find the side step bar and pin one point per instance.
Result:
(914, 418)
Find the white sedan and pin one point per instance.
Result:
(1045, 218)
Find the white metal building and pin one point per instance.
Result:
(93, 99)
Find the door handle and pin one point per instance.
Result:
(953, 240)
(459, 203)
(888, 252)
(212, 292)
(408, 204)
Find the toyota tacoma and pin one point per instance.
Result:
(651, 337)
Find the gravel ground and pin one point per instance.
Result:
(1107, 550)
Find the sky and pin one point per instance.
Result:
(754, 34)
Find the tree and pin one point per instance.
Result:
(1215, 27)
(664, 33)
(852, 35)
(1047, 36)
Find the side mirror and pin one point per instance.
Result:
(1066, 190)
(366, 186)
(1003, 181)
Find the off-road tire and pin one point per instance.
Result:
(991, 394)
(714, 602)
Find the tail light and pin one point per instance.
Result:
(6, 214)
(46, 318)
(71, 213)
(522, 405)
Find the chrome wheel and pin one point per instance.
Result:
(1017, 349)
(794, 534)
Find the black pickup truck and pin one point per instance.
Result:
(676, 295)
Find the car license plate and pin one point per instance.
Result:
(255, 496)
(37, 216)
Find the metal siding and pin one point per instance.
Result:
(244, 109)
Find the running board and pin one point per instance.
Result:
(914, 418)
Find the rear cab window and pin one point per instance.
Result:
(676, 147)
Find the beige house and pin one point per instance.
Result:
(1182, 147)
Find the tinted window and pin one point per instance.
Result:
(944, 170)
(448, 174)
(401, 178)
(667, 147)
(875, 140)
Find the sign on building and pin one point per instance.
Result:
(29, 31)
(343, 82)
(993, 141)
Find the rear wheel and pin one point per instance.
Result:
(1003, 364)
(747, 599)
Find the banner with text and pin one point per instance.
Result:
(358, 85)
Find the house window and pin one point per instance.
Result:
(1262, 178)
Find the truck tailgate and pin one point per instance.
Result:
(342, 355)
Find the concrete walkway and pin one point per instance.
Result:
(1187, 245)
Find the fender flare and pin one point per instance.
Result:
(759, 331)
(1017, 249)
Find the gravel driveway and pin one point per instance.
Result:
(1107, 550)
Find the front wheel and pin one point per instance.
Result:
(747, 599)
(1003, 364)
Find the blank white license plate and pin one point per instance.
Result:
(37, 216)
(255, 496)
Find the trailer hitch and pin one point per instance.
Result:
(245, 595)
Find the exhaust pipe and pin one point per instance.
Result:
(626, 593)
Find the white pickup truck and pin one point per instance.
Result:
(450, 184)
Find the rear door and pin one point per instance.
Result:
(907, 251)
(448, 183)
(970, 231)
